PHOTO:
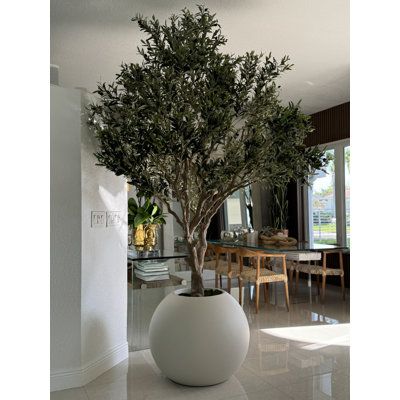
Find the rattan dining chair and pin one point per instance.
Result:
(209, 257)
(322, 270)
(260, 275)
(224, 266)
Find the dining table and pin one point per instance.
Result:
(301, 251)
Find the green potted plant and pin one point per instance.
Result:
(193, 124)
(280, 209)
(144, 220)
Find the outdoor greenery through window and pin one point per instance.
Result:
(323, 204)
(327, 200)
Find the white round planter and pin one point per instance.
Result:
(199, 341)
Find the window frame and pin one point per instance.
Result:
(305, 194)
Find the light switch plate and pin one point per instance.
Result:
(98, 219)
(113, 218)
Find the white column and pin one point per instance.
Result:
(88, 265)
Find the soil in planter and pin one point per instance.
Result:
(207, 292)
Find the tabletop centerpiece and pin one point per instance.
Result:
(144, 218)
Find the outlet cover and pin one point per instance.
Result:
(113, 218)
(98, 219)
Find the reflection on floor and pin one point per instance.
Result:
(301, 354)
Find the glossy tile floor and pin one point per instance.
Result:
(301, 354)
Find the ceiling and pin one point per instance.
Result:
(90, 39)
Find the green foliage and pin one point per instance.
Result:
(149, 213)
(347, 157)
(194, 124)
(328, 191)
(279, 209)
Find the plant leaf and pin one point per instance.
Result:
(140, 219)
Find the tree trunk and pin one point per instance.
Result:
(196, 261)
(197, 284)
(197, 250)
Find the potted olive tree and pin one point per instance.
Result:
(193, 124)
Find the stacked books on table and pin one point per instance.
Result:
(150, 271)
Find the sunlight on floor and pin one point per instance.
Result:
(317, 336)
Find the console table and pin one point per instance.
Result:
(138, 283)
(142, 303)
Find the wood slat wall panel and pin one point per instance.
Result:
(330, 125)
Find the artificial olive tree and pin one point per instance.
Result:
(193, 124)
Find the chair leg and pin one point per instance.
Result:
(323, 287)
(297, 282)
(291, 279)
(287, 295)
(240, 291)
(257, 296)
(216, 280)
(318, 284)
(265, 292)
(220, 281)
(343, 289)
(229, 284)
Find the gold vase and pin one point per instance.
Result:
(139, 236)
(150, 239)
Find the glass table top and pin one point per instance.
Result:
(299, 247)
(134, 255)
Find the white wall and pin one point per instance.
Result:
(88, 265)
(104, 262)
(65, 233)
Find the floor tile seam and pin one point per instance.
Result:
(261, 378)
(119, 380)
(86, 393)
(323, 373)
(299, 381)
(248, 390)
(93, 384)
(289, 396)
(316, 374)
(265, 381)
(250, 371)
(139, 394)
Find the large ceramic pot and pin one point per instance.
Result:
(199, 341)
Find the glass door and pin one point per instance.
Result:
(322, 204)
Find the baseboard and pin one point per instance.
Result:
(80, 377)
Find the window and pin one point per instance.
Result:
(327, 200)
(323, 204)
(347, 191)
